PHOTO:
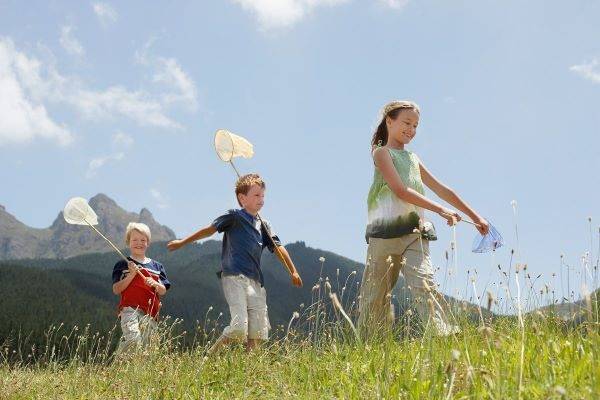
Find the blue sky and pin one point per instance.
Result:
(124, 99)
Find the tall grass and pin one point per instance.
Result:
(319, 354)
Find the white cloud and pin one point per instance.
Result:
(27, 86)
(105, 13)
(274, 14)
(69, 43)
(23, 117)
(169, 73)
(589, 71)
(161, 201)
(117, 101)
(121, 139)
(395, 4)
(97, 163)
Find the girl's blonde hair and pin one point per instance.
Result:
(137, 226)
(392, 110)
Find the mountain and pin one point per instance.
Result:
(77, 291)
(61, 240)
(62, 274)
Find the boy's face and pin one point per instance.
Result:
(138, 244)
(254, 200)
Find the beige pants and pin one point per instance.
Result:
(137, 328)
(386, 259)
(247, 302)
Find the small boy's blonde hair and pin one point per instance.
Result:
(244, 183)
(137, 226)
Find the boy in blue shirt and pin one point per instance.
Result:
(241, 277)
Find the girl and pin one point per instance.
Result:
(397, 235)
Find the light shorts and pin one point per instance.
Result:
(247, 302)
(137, 327)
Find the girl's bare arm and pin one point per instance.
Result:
(385, 165)
(447, 194)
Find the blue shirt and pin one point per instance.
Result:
(244, 240)
(153, 267)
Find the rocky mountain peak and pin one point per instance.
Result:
(63, 240)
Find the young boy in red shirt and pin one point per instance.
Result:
(140, 297)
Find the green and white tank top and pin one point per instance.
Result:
(388, 215)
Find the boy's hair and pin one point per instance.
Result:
(392, 110)
(137, 226)
(243, 185)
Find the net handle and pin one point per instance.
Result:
(113, 246)
(463, 220)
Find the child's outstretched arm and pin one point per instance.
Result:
(286, 260)
(385, 165)
(449, 195)
(201, 234)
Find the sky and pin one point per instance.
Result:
(123, 98)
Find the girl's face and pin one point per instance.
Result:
(404, 128)
(138, 244)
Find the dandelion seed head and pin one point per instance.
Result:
(455, 354)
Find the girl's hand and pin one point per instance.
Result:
(451, 216)
(174, 244)
(482, 225)
(296, 280)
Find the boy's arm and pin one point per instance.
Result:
(286, 260)
(201, 234)
(121, 285)
(449, 195)
(158, 287)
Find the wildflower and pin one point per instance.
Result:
(295, 315)
(455, 355)
(560, 390)
(322, 259)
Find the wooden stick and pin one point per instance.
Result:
(114, 247)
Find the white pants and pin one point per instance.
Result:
(247, 302)
(137, 327)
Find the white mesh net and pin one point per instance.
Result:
(78, 211)
(229, 145)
